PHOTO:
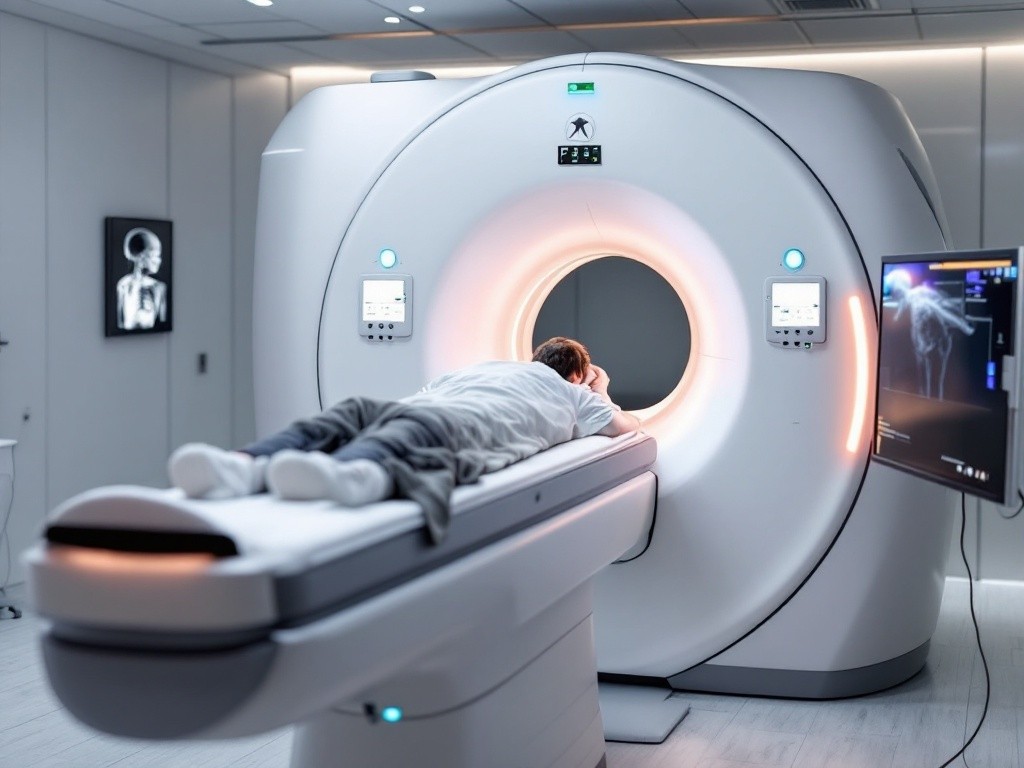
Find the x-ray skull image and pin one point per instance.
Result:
(141, 298)
(934, 318)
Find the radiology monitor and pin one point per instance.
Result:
(947, 380)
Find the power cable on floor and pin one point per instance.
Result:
(977, 635)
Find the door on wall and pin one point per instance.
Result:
(22, 284)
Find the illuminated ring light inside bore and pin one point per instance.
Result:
(518, 266)
(632, 320)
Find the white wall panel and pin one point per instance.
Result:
(260, 103)
(1004, 147)
(200, 206)
(107, 155)
(1002, 541)
(22, 277)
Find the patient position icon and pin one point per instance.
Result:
(933, 319)
(580, 127)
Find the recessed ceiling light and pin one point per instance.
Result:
(416, 9)
(262, 3)
(391, 19)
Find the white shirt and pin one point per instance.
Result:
(516, 409)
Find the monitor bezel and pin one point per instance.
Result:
(1011, 370)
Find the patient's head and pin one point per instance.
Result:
(567, 356)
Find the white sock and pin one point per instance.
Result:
(207, 472)
(309, 475)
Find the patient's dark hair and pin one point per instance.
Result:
(567, 356)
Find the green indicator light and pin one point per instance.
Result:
(581, 87)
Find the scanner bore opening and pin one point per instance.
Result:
(632, 321)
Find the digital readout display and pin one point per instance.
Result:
(384, 301)
(579, 154)
(796, 305)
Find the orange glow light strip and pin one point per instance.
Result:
(972, 264)
(132, 563)
(860, 391)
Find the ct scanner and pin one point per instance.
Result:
(770, 557)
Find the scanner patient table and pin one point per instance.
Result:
(172, 617)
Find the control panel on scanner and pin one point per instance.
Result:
(795, 311)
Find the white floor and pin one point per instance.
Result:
(916, 725)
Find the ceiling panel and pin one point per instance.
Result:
(465, 14)
(962, 4)
(714, 8)
(191, 11)
(520, 47)
(342, 16)
(861, 31)
(783, 34)
(390, 53)
(260, 29)
(176, 28)
(271, 56)
(994, 26)
(108, 13)
(635, 40)
(176, 33)
(602, 11)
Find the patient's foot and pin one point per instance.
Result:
(207, 472)
(315, 475)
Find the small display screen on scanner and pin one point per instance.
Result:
(796, 305)
(383, 301)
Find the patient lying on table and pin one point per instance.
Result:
(471, 421)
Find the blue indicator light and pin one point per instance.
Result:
(793, 259)
(991, 368)
(990, 382)
(391, 714)
(387, 258)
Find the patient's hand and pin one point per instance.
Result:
(597, 380)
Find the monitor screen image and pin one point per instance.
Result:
(946, 322)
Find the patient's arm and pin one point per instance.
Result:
(621, 423)
(597, 379)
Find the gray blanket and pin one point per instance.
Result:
(426, 471)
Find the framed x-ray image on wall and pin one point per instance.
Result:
(138, 276)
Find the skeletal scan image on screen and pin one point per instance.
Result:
(383, 301)
(796, 305)
(946, 325)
